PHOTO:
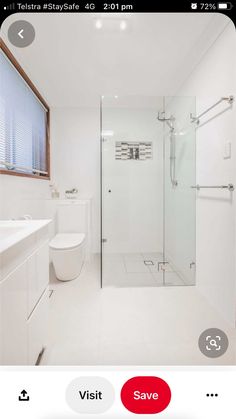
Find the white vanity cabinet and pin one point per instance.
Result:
(13, 290)
(24, 299)
(37, 327)
(37, 275)
(38, 298)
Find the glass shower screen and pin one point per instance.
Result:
(179, 245)
(144, 240)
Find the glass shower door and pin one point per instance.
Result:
(148, 205)
(132, 192)
(180, 200)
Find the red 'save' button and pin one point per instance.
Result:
(145, 395)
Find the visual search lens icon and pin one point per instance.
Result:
(213, 343)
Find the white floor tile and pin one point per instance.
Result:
(150, 325)
(136, 266)
(154, 267)
(132, 256)
(172, 278)
(158, 278)
(154, 256)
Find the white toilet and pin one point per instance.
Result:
(67, 251)
(67, 248)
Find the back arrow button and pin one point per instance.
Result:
(20, 34)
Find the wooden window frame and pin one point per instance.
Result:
(20, 70)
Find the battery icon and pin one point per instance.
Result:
(224, 6)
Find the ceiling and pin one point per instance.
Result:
(72, 62)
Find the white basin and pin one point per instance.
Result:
(6, 231)
(12, 232)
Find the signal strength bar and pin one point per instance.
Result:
(9, 7)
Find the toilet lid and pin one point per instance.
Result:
(67, 241)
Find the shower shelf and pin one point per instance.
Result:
(230, 187)
(229, 99)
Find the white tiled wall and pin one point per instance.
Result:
(22, 196)
(133, 209)
(213, 78)
(75, 138)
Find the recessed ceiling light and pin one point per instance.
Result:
(123, 25)
(116, 97)
(98, 24)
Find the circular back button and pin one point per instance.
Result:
(21, 33)
(90, 395)
(145, 395)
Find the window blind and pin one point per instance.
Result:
(23, 124)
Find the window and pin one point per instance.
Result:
(24, 122)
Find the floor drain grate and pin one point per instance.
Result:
(148, 262)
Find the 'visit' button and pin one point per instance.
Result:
(145, 395)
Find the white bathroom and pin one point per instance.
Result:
(117, 189)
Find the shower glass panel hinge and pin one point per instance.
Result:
(161, 265)
(192, 265)
(104, 240)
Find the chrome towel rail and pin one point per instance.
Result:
(230, 187)
(229, 99)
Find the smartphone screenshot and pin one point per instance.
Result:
(117, 210)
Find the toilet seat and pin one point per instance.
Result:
(67, 241)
